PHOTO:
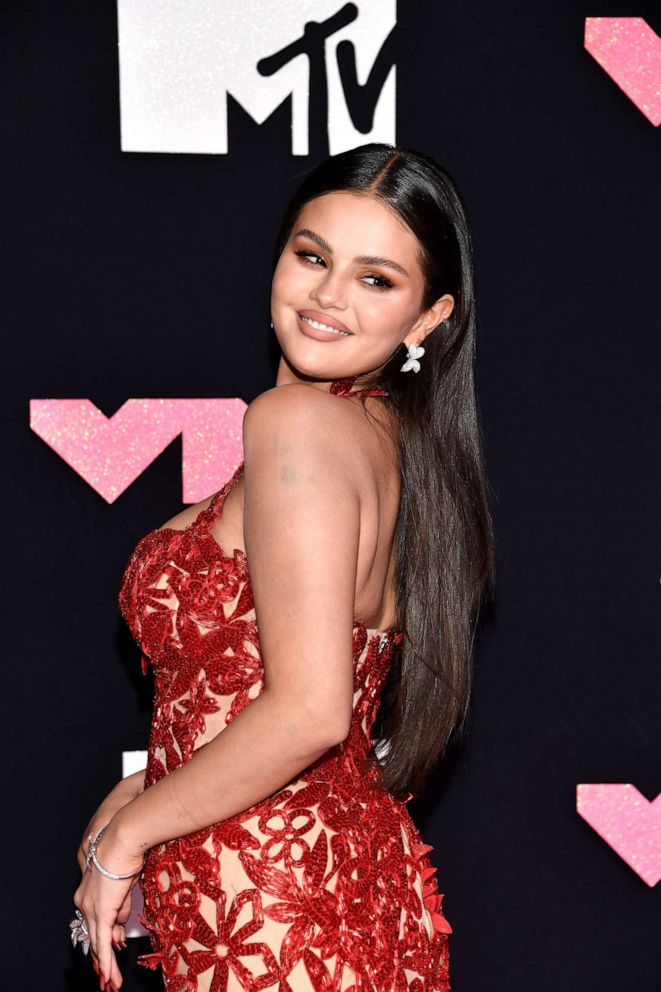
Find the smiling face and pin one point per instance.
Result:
(347, 290)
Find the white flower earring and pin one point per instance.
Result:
(412, 364)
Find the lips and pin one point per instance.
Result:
(323, 318)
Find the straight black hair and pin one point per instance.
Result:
(444, 540)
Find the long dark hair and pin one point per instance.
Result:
(444, 540)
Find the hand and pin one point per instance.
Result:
(106, 902)
(121, 795)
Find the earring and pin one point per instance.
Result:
(412, 363)
(271, 325)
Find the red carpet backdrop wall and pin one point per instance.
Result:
(148, 151)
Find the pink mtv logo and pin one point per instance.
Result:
(628, 822)
(111, 452)
(630, 52)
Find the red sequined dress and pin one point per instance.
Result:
(324, 886)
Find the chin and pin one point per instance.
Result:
(315, 370)
(312, 358)
(320, 370)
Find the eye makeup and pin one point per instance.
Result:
(381, 283)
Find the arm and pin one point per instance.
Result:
(301, 526)
(130, 785)
(126, 789)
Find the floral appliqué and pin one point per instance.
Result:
(325, 885)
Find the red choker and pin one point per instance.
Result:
(342, 387)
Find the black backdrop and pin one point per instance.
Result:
(128, 275)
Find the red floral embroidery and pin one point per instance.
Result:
(432, 897)
(227, 945)
(283, 839)
(329, 875)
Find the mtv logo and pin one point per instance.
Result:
(179, 63)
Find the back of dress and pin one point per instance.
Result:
(324, 885)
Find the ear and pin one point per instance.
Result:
(429, 319)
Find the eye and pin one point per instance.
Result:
(314, 259)
(382, 282)
(309, 255)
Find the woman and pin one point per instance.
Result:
(279, 853)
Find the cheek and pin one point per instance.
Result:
(289, 279)
(278, 283)
(385, 315)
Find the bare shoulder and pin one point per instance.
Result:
(299, 420)
(321, 500)
(295, 404)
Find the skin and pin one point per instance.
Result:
(310, 457)
(381, 318)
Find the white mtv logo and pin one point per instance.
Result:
(179, 61)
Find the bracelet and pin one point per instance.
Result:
(91, 857)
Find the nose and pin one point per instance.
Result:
(330, 291)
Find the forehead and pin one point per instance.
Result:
(359, 224)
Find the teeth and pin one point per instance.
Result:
(324, 327)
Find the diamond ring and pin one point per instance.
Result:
(79, 931)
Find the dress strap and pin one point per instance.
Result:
(208, 517)
(342, 387)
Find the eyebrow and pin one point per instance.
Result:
(305, 232)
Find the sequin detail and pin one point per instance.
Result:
(342, 387)
(324, 886)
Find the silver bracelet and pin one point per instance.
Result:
(91, 857)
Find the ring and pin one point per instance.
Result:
(79, 931)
